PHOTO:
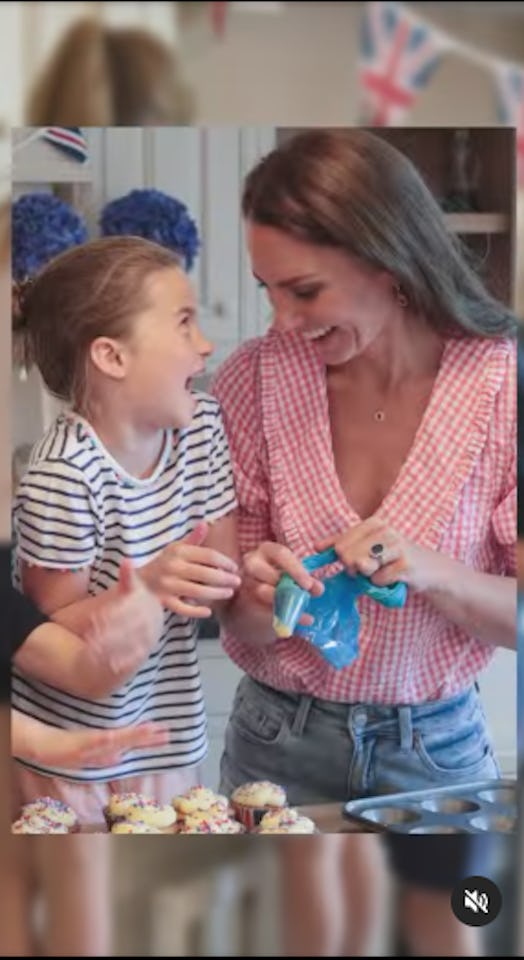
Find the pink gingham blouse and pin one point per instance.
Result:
(455, 493)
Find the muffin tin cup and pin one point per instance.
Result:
(466, 808)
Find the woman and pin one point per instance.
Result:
(377, 416)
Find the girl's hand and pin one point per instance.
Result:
(186, 575)
(80, 748)
(263, 568)
(399, 560)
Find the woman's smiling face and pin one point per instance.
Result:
(338, 302)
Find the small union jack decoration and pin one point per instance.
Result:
(510, 86)
(398, 55)
(70, 140)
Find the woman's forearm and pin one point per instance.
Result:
(95, 644)
(78, 616)
(483, 604)
(54, 655)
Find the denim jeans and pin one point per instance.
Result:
(323, 751)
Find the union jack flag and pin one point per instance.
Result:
(218, 17)
(510, 86)
(70, 140)
(398, 55)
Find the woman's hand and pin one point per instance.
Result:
(187, 575)
(263, 568)
(399, 559)
(481, 604)
(122, 633)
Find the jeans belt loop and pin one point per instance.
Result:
(405, 728)
(300, 719)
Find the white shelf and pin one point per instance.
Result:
(477, 222)
(41, 162)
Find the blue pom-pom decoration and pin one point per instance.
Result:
(42, 227)
(155, 216)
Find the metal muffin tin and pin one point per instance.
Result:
(489, 805)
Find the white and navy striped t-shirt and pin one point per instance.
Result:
(76, 507)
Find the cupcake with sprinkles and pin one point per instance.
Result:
(56, 811)
(286, 820)
(120, 804)
(200, 800)
(201, 822)
(162, 816)
(251, 801)
(33, 823)
(137, 826)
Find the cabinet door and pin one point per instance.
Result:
(205, 168)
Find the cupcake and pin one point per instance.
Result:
(202, 823)
(120, 804)
(54, 810)
(284, 817)
(200, 800)
(33, 823)
(251, 801)
(286, 820)
(159, 815)
(133, 826)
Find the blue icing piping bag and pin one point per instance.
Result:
(336, 622)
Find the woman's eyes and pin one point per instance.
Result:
(307, 294)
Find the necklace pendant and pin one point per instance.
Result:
(379, 416)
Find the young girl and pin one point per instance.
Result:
(138, 467)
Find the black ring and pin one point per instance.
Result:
(376, 551)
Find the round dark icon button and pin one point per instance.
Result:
(476, 901)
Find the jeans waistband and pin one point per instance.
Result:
(360, 716)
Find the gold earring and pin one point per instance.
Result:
(402, 299)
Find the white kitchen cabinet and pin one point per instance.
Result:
(220, 677)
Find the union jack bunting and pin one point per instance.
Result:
(218, 17)
(510, 87)
(398, 55)
(68, 139)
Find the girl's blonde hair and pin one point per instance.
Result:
(93, 290)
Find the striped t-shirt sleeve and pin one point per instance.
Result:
(53, 517)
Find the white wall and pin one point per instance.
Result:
(298, 66)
